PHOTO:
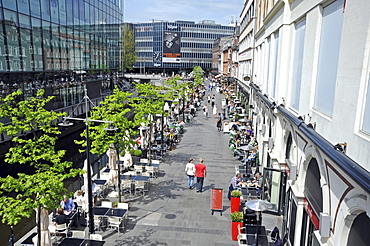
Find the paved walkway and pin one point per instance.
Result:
(171, 214)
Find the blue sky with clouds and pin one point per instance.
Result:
(221, 11)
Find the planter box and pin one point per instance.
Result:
(235, 204)
(235, 230)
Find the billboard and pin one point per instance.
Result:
(171, 46)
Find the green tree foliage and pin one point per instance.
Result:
(114, 108)
(150, 101)
(198, 76)
(129, 55)
(22, 194)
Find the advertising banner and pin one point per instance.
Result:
(171, 46)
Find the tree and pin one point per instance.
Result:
(148, 104)
(114, 108)
(129, 56)
(22, 194)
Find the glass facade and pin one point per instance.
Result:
(179, 45)
(57, 43)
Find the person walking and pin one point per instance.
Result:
(205, 111)
(200, 172)
(190, 172)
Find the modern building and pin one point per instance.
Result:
(309, 89)
(163, 46)
(55, 44)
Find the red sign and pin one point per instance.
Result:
(216, 200)
(311, 214)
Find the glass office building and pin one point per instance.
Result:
(176, 46)
(55, 44)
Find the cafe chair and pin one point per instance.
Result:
(114, 222)
(106, 204)
(96, 237)
(78, 234)
(61, 229)
(151, 171)
(122, 205)
(126, 186)
(138, 170)
(97, 222)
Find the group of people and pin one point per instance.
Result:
(196, 170)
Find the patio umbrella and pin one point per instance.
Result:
(127, 159)
(85, 206)
(113, 158)
(44, 227)
(258, 206)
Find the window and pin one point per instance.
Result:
(328, 57)
(366, 120)
(297, 64)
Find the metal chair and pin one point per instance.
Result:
(106, 204)
(78, 234)
(96, 237)
(115, 222)
(61, 229)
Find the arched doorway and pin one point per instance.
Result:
(359, 234)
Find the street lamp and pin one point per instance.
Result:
(89, 174)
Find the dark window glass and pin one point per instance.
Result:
(62, 12)
(25, 49)
(54, 10)
(45, 10)
(359, 234)
(10, 17)
(35, 8)
(24, 21)
(10, 4)
(23, 6)
(69, 4)
(293, 214)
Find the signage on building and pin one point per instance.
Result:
(171, 46)
(311, 214)
(171, 26)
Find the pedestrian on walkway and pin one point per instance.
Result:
(214, 111)
(190, 172)
(200, 172)
(205, 111)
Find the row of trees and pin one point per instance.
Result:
(35, 132)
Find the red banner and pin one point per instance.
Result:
(311, 214)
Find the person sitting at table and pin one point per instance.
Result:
(236, 182)
(68, 205)
(257, 183)
(60, 217)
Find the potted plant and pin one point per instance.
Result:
(235, 200)
(236, 223)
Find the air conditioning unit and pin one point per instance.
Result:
(324, 227)
(271, 143)
(293, 172)
(263, 129)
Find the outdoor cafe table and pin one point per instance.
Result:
(80, 242)
(135, 177)
(109, 212)
(262, 237)
(246, 147)
(100, 182)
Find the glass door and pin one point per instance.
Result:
(274, 183)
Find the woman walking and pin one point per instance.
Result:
(190, 172)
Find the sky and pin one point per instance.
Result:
(221, 11)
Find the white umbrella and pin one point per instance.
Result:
(44, 227)
(86, 191)
(127, 159)
(112, 154)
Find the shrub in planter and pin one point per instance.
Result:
(237, 217)
(236, 222)
(236, 193)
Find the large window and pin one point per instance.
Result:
(331, 32)
(366, 121)
(297, 64)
